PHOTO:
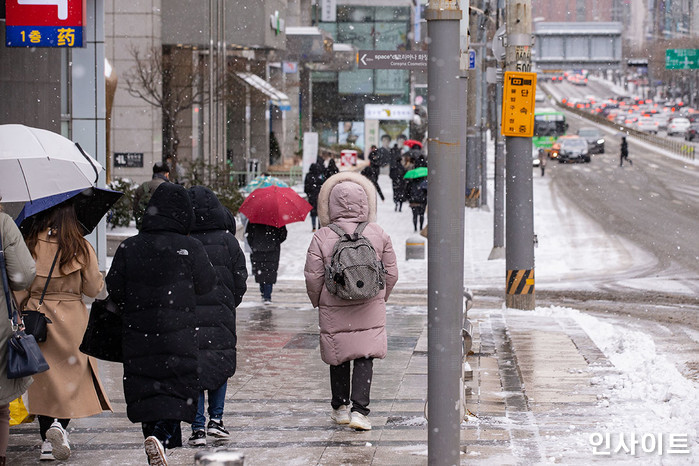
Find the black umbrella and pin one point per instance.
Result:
(91, 205)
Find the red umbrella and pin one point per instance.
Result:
(412, 142)
(275, 206)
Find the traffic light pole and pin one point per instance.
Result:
(445, 266)
(519, 211)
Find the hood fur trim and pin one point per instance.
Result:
(330, 183)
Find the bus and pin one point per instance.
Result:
(549, 124)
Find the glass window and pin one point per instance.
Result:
(391, 36)
(357, 34)
(391, 82)
(392, 14)
(356, 82)
(355, 14)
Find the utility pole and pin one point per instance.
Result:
(472, 140)
(518, 119)
(445, 266)
(498, 251)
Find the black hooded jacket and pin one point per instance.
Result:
(155, 277)
(215, 229)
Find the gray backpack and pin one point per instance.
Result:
(354, 271)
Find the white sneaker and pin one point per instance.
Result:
(341, 415)
(155, 451)
(46, 452)
(360, 422)
(59, 441)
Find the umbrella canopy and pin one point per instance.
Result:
(36, 163)
(90, 206)
(419, 172)
(275, 206)
(412, 142)
(264, 181)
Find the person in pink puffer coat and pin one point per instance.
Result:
(350, 331)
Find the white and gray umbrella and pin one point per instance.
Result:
(36, 163)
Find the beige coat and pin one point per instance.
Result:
(20, 274)
(71, 388)
(348, 329)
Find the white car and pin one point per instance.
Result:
(647, 125)
(677, 126)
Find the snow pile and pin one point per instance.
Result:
(670, 401)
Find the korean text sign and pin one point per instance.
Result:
(518, 104)
(44, 23)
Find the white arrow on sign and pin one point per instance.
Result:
(363, 59)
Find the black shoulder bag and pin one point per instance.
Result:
(35, 321)
(23, 354)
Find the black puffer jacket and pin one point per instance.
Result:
(265, 242)
(215, 228)
(156, 277)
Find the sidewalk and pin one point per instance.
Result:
(530, 391)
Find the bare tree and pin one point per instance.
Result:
(169, 81)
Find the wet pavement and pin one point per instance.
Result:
(531, 398)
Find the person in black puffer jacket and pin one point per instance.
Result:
(156, 277)
(265, 242)
(215, 229)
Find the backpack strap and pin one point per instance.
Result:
(340, 232)
(360, 228)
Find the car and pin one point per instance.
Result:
(594, 138)
(570, 149)
(647, 125)
(678, 126)
(692, 132)
(662, 118)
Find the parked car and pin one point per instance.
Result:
(692, 132)
(570, 149)
(677, 126)
(594, 138)
(647, 125)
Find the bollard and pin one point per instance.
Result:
(219, 457)
(415, 248)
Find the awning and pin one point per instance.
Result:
(276, 97)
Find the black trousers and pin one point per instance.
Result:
(168, 431)
(360, 387)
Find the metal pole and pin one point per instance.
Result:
(212, 114)
(519, 234)
(483, 122)
(445, 234)
(472, 154)
(498, 251)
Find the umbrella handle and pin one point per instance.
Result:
(97, 173)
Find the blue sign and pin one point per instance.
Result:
(471, 59)
(43, 36)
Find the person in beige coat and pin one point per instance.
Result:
(350, 331)
(20, 274)
(71, 388)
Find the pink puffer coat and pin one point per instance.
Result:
(348, 329)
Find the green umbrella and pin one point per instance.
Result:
(419, 172)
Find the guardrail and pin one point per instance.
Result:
(680, 147)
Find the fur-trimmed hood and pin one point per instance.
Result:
(336, 201)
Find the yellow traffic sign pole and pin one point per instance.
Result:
(518, 126)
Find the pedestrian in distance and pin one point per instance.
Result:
(372, 174)
(161, 174)
(331, 169)
(416, 190)
(396, 174)
(155, 278)
(624, 155)
(71, 388)
(215, 228)
(311, 186)
(20, 270)
(542, 160)
(352, 332)
(265, 242)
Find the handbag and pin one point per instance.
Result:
(102, 338)
(35, 321)
(23, 354)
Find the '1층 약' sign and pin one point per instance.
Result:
(44, 23)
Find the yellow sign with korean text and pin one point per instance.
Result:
(518, 104)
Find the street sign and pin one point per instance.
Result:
(518, 104)
(388, 112)
(471, 59)
(682, 59)
(44, 23)
(391, 60)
